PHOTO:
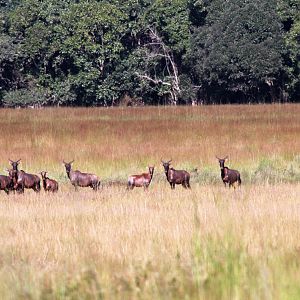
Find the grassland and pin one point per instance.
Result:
(206, 243)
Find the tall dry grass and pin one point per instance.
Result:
(116, 141)
(206, 243)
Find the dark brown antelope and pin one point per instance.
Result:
(14, 174)
(229, 176)
(142, 180)
(23, 180)
(78, 178)
(6, 183)
(49, 185)
(176, 176)
(28, 181)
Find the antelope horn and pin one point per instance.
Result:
(226, 157)
(14, 161)
(71, 161)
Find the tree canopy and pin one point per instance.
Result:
(103, 53)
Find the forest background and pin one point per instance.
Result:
(148, 52)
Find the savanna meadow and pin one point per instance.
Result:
(207, 242)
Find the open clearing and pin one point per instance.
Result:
(205, 243)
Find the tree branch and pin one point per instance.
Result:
(155, 81)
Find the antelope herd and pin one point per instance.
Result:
(17, 180)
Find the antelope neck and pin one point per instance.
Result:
(167, 173)
(68, 173)
(151, 175)
(223, 171)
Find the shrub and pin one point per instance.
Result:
(25, 98)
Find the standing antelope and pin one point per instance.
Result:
(78, 178)
(28, 181)
(13, 173)
(228, 175)
(6, 184)
(176, 176)
(142, 180)
(49, 185)
(22, 180)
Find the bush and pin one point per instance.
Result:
(25, 98)
(275, 171)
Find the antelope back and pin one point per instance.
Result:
(29, 180)
(84, 179)
(5, 181)
(232, 175)
(178, 176)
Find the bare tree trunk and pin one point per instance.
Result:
(170, 65)
(159, 49)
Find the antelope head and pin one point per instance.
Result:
(11, 173)
(14, 164)
(166, 164)
(68, 165)
(43, 174)
(151, 170)
(222, 161)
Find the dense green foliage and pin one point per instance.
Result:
(95, 52)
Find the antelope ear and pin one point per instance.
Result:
(226, 157)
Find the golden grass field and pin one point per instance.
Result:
(205, 243)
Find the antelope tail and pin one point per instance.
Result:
(239, 180)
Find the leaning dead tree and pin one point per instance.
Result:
(156, 49)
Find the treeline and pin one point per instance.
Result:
(131, 52)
